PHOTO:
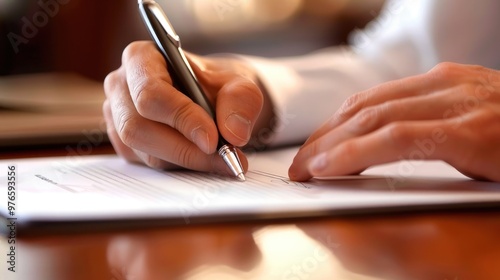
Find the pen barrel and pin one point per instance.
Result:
(182, 74)
(185, 80)
(178, 65)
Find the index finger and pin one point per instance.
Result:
(155, 97)
(402, 88)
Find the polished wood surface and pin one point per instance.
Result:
(56, 150)
(441, 245)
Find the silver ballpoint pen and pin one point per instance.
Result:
(169, 44)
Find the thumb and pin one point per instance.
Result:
(213, 72)
(238, 106)
(231, 87)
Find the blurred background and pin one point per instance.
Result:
(88, 36)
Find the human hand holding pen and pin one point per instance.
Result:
(150, 121)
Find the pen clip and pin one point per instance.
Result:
(163, 20)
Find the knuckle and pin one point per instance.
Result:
(493, 79)
(153, 162)
(469, 88)
(486, 90)
(251, 91)
(486, 124)
(106, 110)
(351, 104)
(110, 82)
(445, 69)
(181, 116)
(397, 105)
(471, 92)
(144, 97)
(128, 130)
(368, 116)
(249, 86)
(313, 149)
(349, 149)
(185, 156)
(245, 92)
(132, 49)
(399, 134)
(479, 68)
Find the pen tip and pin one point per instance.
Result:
(241, 177)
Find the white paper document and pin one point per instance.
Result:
(107, 189)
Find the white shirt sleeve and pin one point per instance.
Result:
(409, 37)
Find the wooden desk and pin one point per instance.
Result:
(455, 245)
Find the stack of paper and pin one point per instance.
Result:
(49, 108)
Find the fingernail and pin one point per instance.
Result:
(200, 138)
(318, 163)
(239, 126)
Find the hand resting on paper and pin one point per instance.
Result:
(450, 113)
